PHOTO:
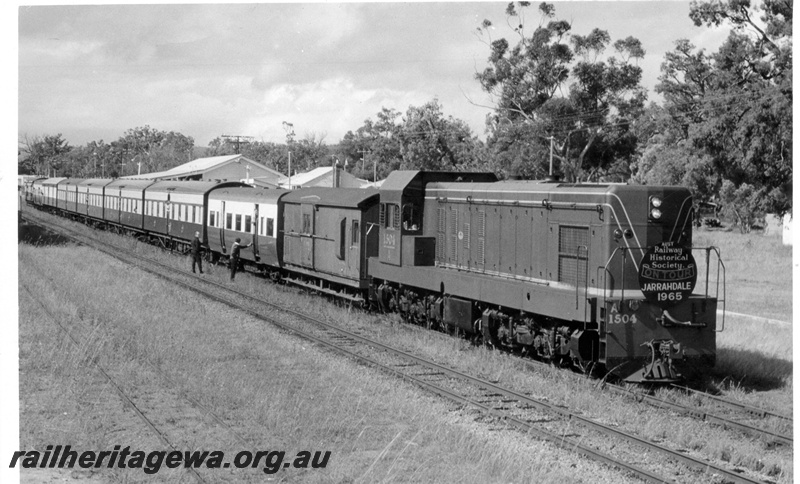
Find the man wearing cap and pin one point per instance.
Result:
(197, 259)
(237, 246)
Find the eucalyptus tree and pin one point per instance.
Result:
(733, 107)
(558, 91)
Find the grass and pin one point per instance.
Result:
(759, 272)
(276, 391)
(752, 353)
(754, 365)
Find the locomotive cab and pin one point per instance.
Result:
(405, 238)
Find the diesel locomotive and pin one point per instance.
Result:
(600, 277)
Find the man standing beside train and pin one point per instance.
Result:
(237, 246)
(197, 259)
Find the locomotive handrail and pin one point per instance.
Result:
(721, 270)
(724, 281)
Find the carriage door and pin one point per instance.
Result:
(222, 224)
(168, 214)
(255, 229)
(307, 235)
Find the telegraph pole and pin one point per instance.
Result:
(374, 165)
(289, 128)
(237, 140)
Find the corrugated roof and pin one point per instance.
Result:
(198, 166)
(307, 177)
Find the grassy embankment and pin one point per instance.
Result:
(766, 365)
(751, 351)
(276, 391)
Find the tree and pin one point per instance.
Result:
(589, 127)
(376, 144)
(734, 106)
(45, 155)
(155, 150)
(431, 141)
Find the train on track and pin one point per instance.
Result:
(600, 277)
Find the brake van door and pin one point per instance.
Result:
(307, 235)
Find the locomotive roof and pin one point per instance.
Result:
(400, 179)
(333, 197)
(542, 187)
(247, 194)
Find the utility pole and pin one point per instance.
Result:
(237, 140)
(374, 165)
(289, 128)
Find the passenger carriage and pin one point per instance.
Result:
(90, 197)
(175, 210)
(250, 214)
(40, 189)
(67, 195)
(123, 202)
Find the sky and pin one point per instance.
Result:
(91, 72)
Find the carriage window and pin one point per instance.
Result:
(355, 234)
(211, 221)
(229, 221)
(270, 227)
(342, 238)
(391, 216)
(248, 223)
(238, 223)
(412, 217)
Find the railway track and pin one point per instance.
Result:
(735, 421)
(161, 431)
(513, 409)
